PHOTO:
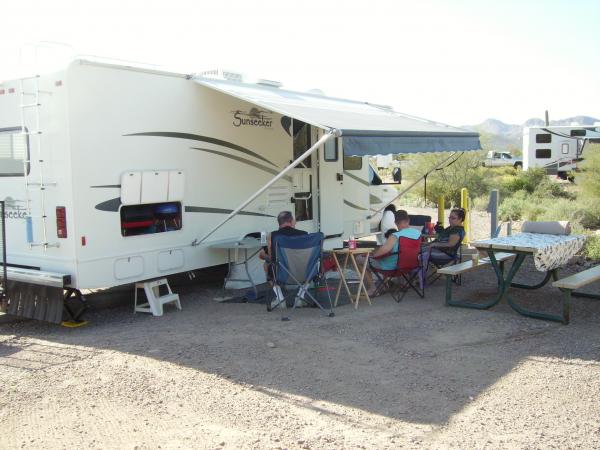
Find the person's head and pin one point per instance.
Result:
(401, 218)
(457, 216)
(286, 219)
(391, 207)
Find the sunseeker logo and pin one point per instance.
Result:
(12, 209)
(253, 118)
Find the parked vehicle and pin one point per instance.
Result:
(113, 173)
(502, 159)
(557, 149)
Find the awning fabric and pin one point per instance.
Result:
(367, 129)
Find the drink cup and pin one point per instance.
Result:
(351, 243)
(475, 258)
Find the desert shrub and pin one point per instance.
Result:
(526, 181)
(514, 207)
(592, 247)
(589, 177)
(465, 172)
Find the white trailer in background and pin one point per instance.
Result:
(112, 174)
(557, 149)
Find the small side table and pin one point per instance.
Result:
(350, 255)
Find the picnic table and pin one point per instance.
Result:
(549, 252)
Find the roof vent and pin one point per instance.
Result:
(270, 83)
(221, 74)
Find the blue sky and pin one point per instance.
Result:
(457, 62)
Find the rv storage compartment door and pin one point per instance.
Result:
(170, 260)
(155, 186)
(129, 267)
(131, 188)
(176, 185)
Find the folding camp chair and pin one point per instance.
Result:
(408, 270)
(439, 261)
(296, 266)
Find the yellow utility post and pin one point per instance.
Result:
(441, 210)
(464, 204)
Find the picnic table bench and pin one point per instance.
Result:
(569, 284)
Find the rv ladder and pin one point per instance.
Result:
(28, 104)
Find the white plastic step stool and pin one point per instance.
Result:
(155, 300)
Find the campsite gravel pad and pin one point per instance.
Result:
(414, 375)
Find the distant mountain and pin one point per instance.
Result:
(497, 135)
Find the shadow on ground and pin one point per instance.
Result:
(417, 361)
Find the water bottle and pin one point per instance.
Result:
(263, 237)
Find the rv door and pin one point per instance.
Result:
(331, 195)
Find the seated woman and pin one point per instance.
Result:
(379, 259)
(387, 224)
(444, 248)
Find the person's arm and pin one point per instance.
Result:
(264, 255)
(453, 241)
(386, 248)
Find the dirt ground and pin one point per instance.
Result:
(416, 375)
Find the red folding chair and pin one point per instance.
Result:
(409, 271)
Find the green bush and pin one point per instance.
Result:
(592, 247)
(514, 207)
(589, 177)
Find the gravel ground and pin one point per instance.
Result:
(410, 375)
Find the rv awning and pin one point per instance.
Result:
(367, 129)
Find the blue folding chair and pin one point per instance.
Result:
(296, 266)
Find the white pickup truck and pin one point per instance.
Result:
(500, 159)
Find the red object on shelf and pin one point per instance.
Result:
(138, 224)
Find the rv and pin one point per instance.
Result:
(113, 173)
(557, 149)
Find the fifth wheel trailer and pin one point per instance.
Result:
(557, 149)
(113, 174)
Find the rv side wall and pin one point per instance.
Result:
(125, 120)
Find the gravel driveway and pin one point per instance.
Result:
(411, 375)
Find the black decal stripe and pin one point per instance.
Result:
(111, 205)
(352, 205)
(354, 177)
(243, 161)
(374, 199)
(202, 209)
(196, 137)
(118, 186)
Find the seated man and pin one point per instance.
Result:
(390, 246)
(286, 222)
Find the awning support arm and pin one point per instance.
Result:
(331, 133)
(412, 185)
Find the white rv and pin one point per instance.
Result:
(557, 148)
(112, 174)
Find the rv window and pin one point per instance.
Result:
(577, 132)
(14, 150)
(352, 162)
(543, 153)
(545, 138)
(150, 219)
(302, 141)
(331, 150)
(564, 148)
